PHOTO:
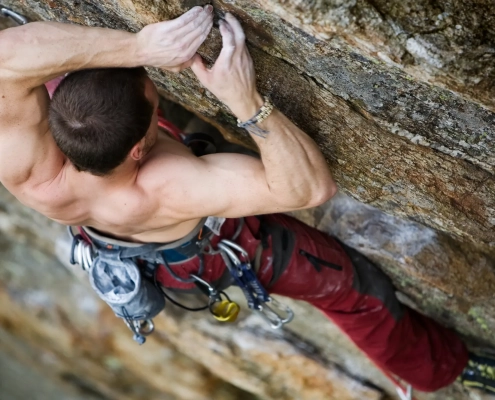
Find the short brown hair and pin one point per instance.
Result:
(98, 115)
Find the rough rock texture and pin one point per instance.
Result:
(454, 281)
(53, 326)
(446, 42)
(400, 97)
(392, 141)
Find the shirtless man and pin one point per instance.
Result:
(94, 156)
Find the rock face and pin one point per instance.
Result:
(54, 330)
(401, 144)
(400, 97)
(408, 147)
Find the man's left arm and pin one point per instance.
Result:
(37, 52)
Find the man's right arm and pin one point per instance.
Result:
(292, 173)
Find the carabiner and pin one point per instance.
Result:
(7, 12)
(270, 316)
(235, 246)
(276, 320)
(405, 394)
(145, 327)
(141, 329)
(210, 288)
(230, 253)
(213, 293)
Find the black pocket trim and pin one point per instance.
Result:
(317, 263)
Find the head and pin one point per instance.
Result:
(100, 118)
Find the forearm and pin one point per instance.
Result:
(295, 169)
(39, 51)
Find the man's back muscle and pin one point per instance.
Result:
(131, 209)
(171, 190)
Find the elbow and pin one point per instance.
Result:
(15, 41)
(322, 194)
(8, 44)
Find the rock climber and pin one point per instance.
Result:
(99, 156)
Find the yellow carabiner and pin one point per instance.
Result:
(225, 311)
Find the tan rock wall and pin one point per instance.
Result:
(52, 322)
(402, 107)
(407, 147)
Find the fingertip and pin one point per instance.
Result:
(230, 17)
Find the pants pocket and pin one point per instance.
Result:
(318, 263)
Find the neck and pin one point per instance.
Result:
(124, 173)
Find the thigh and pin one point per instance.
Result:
(317, 269)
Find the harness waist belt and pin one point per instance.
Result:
(175, 245)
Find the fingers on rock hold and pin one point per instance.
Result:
(236, 27)
(228, 38)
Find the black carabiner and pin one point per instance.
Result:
(18, 18)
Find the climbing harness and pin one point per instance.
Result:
(18, 18)
(123, 274)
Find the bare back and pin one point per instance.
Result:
(127, 210)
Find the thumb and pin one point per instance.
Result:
(198, 67)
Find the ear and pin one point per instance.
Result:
(137, 152)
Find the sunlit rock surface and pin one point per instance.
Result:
(400, 97)
(52, 324)
(411, 148)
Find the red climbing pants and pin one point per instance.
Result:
(305, 264)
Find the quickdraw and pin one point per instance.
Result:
(256, 295)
